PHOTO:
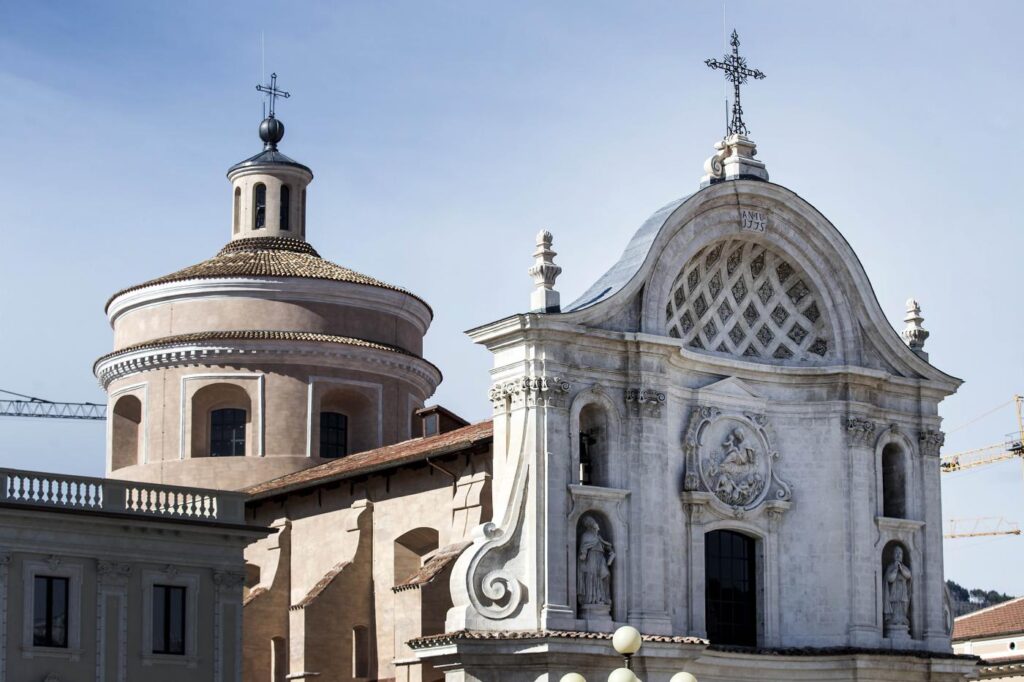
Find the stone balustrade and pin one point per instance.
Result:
(85, 493)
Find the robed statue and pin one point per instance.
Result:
(594, 560)
(896, 594)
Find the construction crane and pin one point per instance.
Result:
(28, 406)
(1012, 447)
(980, 527)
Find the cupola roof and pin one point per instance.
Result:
(268, 257)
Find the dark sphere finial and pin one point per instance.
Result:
(271, 132)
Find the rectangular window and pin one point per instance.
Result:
(333, 434)
(227, 433)
(50, 612)
(168, 620)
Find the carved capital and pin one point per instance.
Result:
(860, 431)
(645, 401)
(535, 390)
(228, 579)
(931, 442)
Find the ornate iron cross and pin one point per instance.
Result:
(737, 72)
(272, 92)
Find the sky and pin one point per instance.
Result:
(445, 134)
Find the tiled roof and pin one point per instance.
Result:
(267, 257)
(253, 594)
(252, 335)
(321, 585)
(380, 458)
(463, 635)
(433, 566)
(1001, 619)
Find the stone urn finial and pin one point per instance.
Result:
(544, 298)
(914, 335)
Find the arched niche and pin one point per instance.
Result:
(894, 467)
(220, 397)
(897, 591)
(594, 428)
(361, 418)
(409, 550)
(596, 568)
(126, 432)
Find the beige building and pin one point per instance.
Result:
(114, 581)
(996, 635)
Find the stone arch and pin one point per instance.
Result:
(410, 548)
(126, 432)
(361, 416)
(222, 395)
(595, 432)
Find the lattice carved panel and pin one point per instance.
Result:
(742, 299)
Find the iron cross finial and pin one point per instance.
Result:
(272, 92)
(736, 72)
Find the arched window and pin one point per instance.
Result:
(286, 203)
(593, 442)
(730, 588)
(894, 482)
(236, 217)
(227, 432)
(333, 434)
(126, 433)
(360, 651)
(302, 214)
(259, 206)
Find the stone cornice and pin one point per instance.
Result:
(413, 369)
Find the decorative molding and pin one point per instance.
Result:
(228, 585)
(530, 390)
(112, 581)
(113, 573)
(144, 424)
(171, 575)
(645, 401)
(860, 431)
(56, 567)
(930, 442)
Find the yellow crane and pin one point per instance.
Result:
(1012, 447)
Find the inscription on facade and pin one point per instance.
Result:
(755, 221)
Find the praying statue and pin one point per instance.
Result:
(594, 560)
(896, 594)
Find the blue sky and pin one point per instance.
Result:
(444, 135)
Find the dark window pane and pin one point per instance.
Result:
(730, 588)
(227, 433)
(168, 619)
(259, 200)
(286, 201)
(333, 434)
(50, 611)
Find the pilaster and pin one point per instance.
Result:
(860, 441)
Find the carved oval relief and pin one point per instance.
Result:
(735, 463)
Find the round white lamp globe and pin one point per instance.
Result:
(622, 675)
(627, 640)
(683, 677)
(573, 677)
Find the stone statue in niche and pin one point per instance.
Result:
(593, 573)
(896, 595)
(737, 475)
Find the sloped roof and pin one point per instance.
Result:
(321, 585)
(433, 566)
(380, 458)
(268, 257)
(1001, 619)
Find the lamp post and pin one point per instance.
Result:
(627, 641)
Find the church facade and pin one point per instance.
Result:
(722, 443)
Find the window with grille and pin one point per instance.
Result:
(333, 434)
(227, 432)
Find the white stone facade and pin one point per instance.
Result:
(738, 374)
